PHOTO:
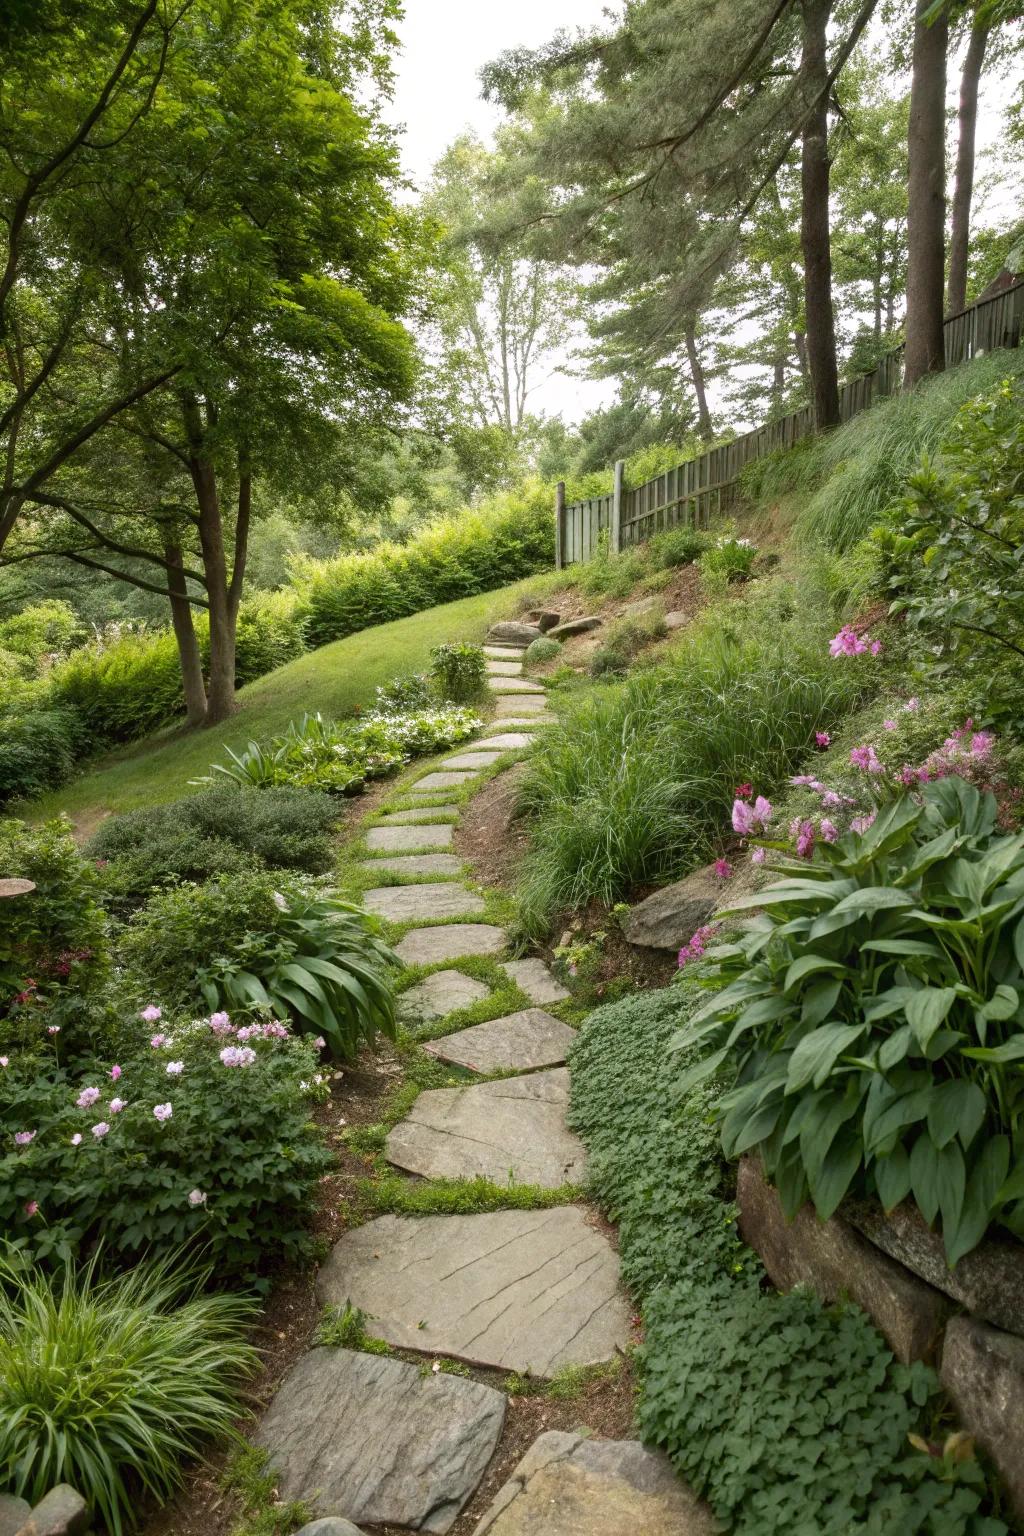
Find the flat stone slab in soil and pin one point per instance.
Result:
(522, 722)
(518, 1042)
(510, 741)
(438, 994)
(517, 1290)
(534, 978)
(416, 864)
(513, 1130)
(504, 668)
(519, 705)
(473, 761)
(516, 685)
(431, 782)
(331, 1526)
(569, 1484)
(503, 652)
(574, 627)
(371, 1440)
(419, 813)
(398, 839)
(452, 941)
(406, 903)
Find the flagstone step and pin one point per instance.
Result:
(407, 903)
(503, 652)
(473, 760)
(400, 839)
(432, 782)
(513, 1130)
(518, 706)
(450, 941)
(439, 994)
(516, 685)
(518, 1290)
(415, 864)
(534, 978)
(518, 1042)
(510, 741)
(419, 813)
(504, 668)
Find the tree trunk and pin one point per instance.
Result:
(926, 205)
(800, 347)
(185, 634)
(963, 187)
(705, 427)
(815, 240)
(220, 696)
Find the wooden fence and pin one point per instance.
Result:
(694, 490)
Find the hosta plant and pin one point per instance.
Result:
(870, 1019)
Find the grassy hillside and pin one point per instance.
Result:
(334, 680)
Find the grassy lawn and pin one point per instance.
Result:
(334, 680)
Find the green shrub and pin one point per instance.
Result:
(38, 751)
(214, 833)
(231, 1166)
(625, 639)
(870, 1019)
(404, 695)
(608, 575)
(271, 632)
(541, 649)
(121, 690)
(110, 1385)
(727, 559)
(247, 942)
(40, 628)
(730, 1371)
(677, 546)
(460, 671)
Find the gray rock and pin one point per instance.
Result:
(834, 1260)
(450, 941)
(513, 1130)
(511, 632)
(534, 978)
(13, 1514)
(510, 741)
(431, 782)
(675, 619)
(399, 839)
(420, 813)
(507, 685)
(519, 1042)
(407, 903)
(504, 669)
(521, 704)
(440, 993)
(63, 1512)
(370, 1439)
(330, 1527)
(544, 618)
(642, 605)
(575, 627)
(983, 1372)
(505, 718)
(416, 864)
(988, 1281)
(568, 1485)
(473, 761)
(516, 1290)
(669, 918)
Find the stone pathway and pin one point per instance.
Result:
(368, 1439)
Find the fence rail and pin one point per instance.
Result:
(691, 492)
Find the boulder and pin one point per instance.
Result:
(669, 918)
(988, 1281)
(332, 1526)
(544, 618)
(13, 1514)
(983, 1372)
(574, 627)
(676, 618)
(835, 1261)
(63, 1512)
(511, 632)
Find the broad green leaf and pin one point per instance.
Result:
(819, 1000)
(836, 1175)
(807, 965)
(957, 1108)
(817, 1053)
(927, 1009)
(981, 1199)
(892, 1177)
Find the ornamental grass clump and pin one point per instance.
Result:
(111, 1384)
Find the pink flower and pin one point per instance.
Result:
(723, 869)
(175, 1068)
(157, 1041)
(697, 943)
(163, 1112)
(829, 831)
(758, 856)
(116, 1106)
(876, 647)
(862, 823)
(100, 1130)
(31, 1207)
(762, 811)
(151, 1014)
(53, 1029)
(803, 832)
(23, 1138)
(87, 1098)
(115, 1072)
(744, 791)
(76, 1140)
(221, 1024)
(822, 739)
(982, 743)
(889, 725)
(846, 643)
(197, 1197)
(238, 1055)
(320, 1042)
(912, 705)
(4, 1061)
(742, 818)
(866, 758)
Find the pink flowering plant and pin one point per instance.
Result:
(224, 1111)
(869, 1021)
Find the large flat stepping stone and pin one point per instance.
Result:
(371, 1440)
(522, 722)
(419, 813)
(516, 685)
(510, 741)
(406, 903)
(519, 1042)
(504, 668)
(399, 839)
(438, 994)
(574, 1485)
(517, 1290)
(510, 1131)
(432, 782)
(521, 705)
(416, 864)
(534, 978)
(503, 652)
(474, 760)
(454, 941)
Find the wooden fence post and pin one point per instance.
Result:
(559, 525)
(615, 531)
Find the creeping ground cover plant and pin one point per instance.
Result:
(870, 1018)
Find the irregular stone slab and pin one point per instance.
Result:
(676, 618)
(503, 652)
(13, 1514)
(420, 813)
(416, 864)
(519, 705)
(575, 627)
(522, 722)
(518, 1290)
(988, 1281)
(440, 993)
(398, 839)
(62, 1512)
(504, 668)
(516, 685)
(569, 1484)
(544, 618)
(511, 632)
(370, 1439)
(670, 918)
(330, 1527)
(432, 782)
(510, 741)
(406, 903)
(510, 1130)
(534, 978)
(983, 1372)
(519, 1042)
(473, 760)
(429, 946)
(834, 1261)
